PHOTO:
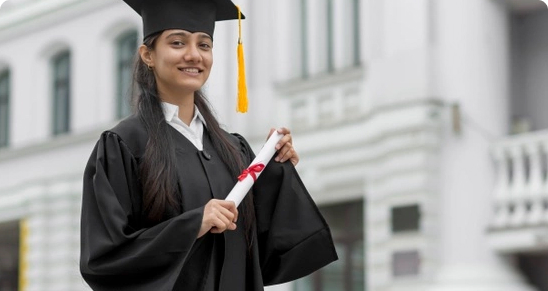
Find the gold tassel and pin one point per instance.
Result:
(242, 87)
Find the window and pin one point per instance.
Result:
(405, 263)
(330, 39)
(304, 41)
(4, 107)
(348, 273)
(355, 39)
(330, 36)
(126, 47)
(9, 256)
(61, 93)
(405, 218)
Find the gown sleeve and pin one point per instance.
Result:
(294, 239)
(116, 255)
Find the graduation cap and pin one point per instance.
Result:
(193, 16)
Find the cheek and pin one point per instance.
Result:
(166, 57)
(208, 60)
(168, 60)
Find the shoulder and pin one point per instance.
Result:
(132, 133)
(241, 143)
(236, 139)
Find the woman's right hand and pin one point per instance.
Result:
(219, 215)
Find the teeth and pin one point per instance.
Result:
(190, 70)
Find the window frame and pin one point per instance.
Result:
(124, 64)
(305, 71)
(60, 83)
(330, 37)
(356, 25)
(331, 68)
(5, 78)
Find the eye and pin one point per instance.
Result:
(205, 45)
(177, 43)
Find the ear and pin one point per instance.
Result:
(146, 55)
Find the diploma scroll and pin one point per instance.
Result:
(249, 175)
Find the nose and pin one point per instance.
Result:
(192, 54)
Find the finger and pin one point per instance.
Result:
(221, 223)
(232, 226)
(294, 160)
(226, 204)
(283, 141)
(230, 205)
(236, 214)
(216, 230)
(287, 154)
(284, 153)
(225, 212)
(284, 130)
(221, 214)
(229, 209)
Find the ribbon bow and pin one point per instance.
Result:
(255, 168)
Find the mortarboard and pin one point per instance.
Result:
(190, 15)
(193, 16)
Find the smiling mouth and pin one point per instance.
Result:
(191, 70)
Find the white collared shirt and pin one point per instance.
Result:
(193, 132)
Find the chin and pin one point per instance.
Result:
(191, 86)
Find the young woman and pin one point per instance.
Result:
(153, 212)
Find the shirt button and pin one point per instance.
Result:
(206, 155)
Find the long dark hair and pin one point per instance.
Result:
(157, 168)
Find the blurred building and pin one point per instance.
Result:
(421, 127)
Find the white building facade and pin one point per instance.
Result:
(420, 126)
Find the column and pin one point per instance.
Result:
(472, 53)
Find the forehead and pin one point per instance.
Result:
(184, 33)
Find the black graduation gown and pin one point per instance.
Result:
(120, 250)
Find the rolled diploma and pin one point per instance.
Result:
(241, 188)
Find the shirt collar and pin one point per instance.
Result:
(171, 111)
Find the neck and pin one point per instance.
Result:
(185, 102)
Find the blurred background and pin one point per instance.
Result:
(422, 128)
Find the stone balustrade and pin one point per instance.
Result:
(521, 189)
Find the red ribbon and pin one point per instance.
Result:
(255, 168)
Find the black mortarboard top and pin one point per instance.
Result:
(190, 15)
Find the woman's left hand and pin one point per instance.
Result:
(285, 148)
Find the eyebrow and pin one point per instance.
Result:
(187, 34)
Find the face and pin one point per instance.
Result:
(181, 61)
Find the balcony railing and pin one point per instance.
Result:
(521, 190)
